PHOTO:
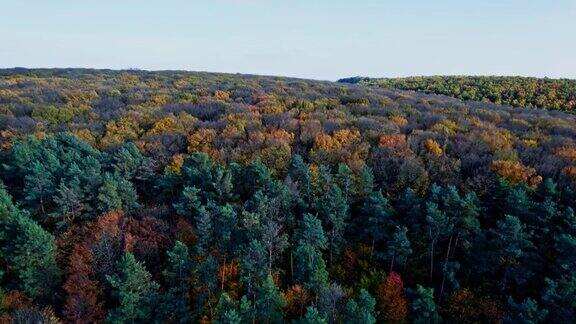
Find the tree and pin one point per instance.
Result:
(226, 311)
(392, 302)
(28, 250)
(175, 302)
(39, 185)
(437, 225)
(274, 241)
(360, 311)
(329, 303)
(333, 211)
(312, 317)
(365, 184)
(558, 297)
(135, 292)
(379, 212)
(254, 265)
(299, 173)
(189, 202)
(345, 180)
(310, 267)
(204, 231)
(510, 247)
(398, 248)
(269, 302)
(116, 193)
(83, 293)
(526, 312)
(423, 309)
(70, 203)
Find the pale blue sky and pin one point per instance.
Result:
(303, 38)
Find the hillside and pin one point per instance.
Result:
(172, 196)
(553, 94)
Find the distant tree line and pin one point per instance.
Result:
(554, 94)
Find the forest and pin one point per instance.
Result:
(553, 94)
(175, 197)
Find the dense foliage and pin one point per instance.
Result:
(133, 196)
(554, 94)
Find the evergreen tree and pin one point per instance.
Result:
(134, 290)
(365, 185)
(254, 266)
(558, 298)
(269, 302)
(39, 186)
(438, 226)
(526, 312)
(189, 203)
(310, 266)
(360, 311)
(333, 211)
(226, 312)
(379, 213)
(312, 317)
(299, 174)
(345, 180)
(398, 248)
(175, 302)
(204, 231)
(27, 249)
(70, 203)
(510, 247)
(116, 193)
(423, 309)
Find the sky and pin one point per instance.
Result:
(315, 39)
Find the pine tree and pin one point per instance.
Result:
(360, 311)
(116, 193)
(398, 248)
(189, 203)
(345, 180)
(254, 265)
(423, 308)
(204, 231)
(365, 185)
(226, 311)
(379, 213)
(510, 246)
(312, 317)
(269, 302)
(333, 211)
(134, 290)
(70, 203)
(299, 174)
(310, 267)
(525, 312)
(27, 249)
(39, 186)
(175, 302)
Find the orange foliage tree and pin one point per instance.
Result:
(391, 299)
(514, 172)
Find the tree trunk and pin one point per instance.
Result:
(392, 262)
(444, 270)
(372, 248)
(432, 260)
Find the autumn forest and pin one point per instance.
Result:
(176, 197)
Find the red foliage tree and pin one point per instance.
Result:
(391, 299)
